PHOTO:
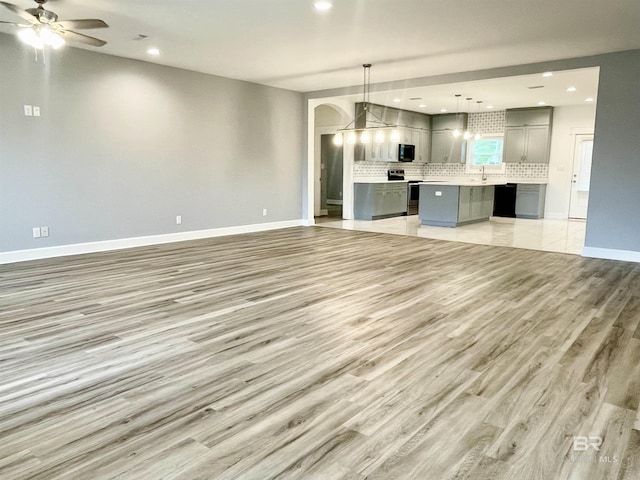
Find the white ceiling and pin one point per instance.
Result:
(286, 43)
(499, 93)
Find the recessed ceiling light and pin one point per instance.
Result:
(571, 89)
(588, 99)
(422, 105)
(153, 51)
(489, 106)
(396, 100)
(323, 6)
(542, 103)
(443, 110)
(547, 74)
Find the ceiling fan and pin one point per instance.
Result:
(45, 29)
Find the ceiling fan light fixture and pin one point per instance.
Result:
(322, 6)
(51, 38)
(31, 38)
(40, 37)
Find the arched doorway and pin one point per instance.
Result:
(328, 162)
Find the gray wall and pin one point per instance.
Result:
(124, 146)
(614, 202)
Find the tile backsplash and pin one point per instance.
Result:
(487, 122)
(379, 169)
(512, 170)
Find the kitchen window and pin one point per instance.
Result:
(485, 152)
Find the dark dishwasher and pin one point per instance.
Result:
(504, 204)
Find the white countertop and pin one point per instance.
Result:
(460, 181)
(360, 180)
(464, 183)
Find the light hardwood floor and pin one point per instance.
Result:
(319, 353)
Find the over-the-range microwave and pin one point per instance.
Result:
(406, 153)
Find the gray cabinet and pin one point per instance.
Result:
(380, 200)
(475, 204)
(453, 205)
(527, 136)
(412, 127)
(445, 148)
(530, 199)
(423, 147)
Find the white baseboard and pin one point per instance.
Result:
(611, 254)
(122, 243)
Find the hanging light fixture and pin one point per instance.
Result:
(477, 135)
(457, 132)
(40, 37)
(374, 128)
(466, 134)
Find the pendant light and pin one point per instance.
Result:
(478, 135)
(457, 132)
(374, 129)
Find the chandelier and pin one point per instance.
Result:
(375, 129)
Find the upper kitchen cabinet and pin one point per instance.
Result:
(413, 128)
(527, 135)
(445, 148)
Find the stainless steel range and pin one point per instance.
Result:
(413, 189)
(395, 174)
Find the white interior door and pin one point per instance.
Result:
(581, 178)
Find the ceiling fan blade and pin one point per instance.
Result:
(24, 15)
(84, 24)
(81, 38)
(9, 23)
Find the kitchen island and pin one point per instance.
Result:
(455, 203)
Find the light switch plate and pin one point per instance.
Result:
(36, 111)
(44, 231)
(28, 111)
(36, 232)
(438, 193)
(179, 220)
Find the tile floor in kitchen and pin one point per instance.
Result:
(564, 236)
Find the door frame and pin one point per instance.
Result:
(312, 204)
(577, 137)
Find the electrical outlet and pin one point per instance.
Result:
(36, 232)
(44, 231)
(179, 220)
(36, 111)
(28, 111)
(264, 212)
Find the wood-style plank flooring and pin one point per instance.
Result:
(318, 353)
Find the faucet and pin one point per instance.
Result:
(484, 175)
